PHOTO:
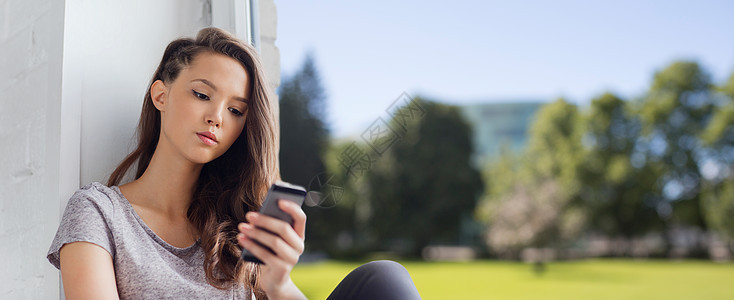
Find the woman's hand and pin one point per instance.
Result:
(287, 242)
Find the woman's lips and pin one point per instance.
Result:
(207, 137)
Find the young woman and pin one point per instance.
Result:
(206, 156)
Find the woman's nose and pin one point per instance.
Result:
(215, 116)
(214, 123)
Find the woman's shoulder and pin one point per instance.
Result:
(89, 216)
(105, 197)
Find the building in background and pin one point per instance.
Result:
(497, 125)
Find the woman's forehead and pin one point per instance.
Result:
(219, 71)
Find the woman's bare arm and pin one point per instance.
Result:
(87, 272)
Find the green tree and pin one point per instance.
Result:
(615, 179)
(344, 208)
(718, 191)
(303, 133)
(423, 187)
(529, 201)
(720, 133)
(674, 112)
(555, 154)
(554, 145)
(303, 142)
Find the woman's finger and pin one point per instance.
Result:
(299, 217)
(258, 251)
(277, 227)
(281, 248)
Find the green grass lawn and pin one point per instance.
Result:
(592, 279)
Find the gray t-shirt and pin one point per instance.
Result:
(146, 266)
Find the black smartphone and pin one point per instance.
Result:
(278, 191)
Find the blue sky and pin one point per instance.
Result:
(460, 52)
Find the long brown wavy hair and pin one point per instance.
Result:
(232, 184)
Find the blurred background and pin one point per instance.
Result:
(452, 135)
(514, 150)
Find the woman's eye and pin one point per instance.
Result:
(200, 95)
(236, 112)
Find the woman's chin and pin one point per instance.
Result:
(202, 158)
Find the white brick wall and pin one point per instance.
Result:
(31, 34)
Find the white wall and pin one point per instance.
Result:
(72, 75)
(30, 100)
(269, 53)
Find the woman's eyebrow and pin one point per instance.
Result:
(207, 82)
(211, 85)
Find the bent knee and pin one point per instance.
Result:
(384, 266)
(384, 270)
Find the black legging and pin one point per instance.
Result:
(382, 279)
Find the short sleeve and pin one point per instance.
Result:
(86, 218)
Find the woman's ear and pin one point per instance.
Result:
(159, 95)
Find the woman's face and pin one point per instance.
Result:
(203, 111)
